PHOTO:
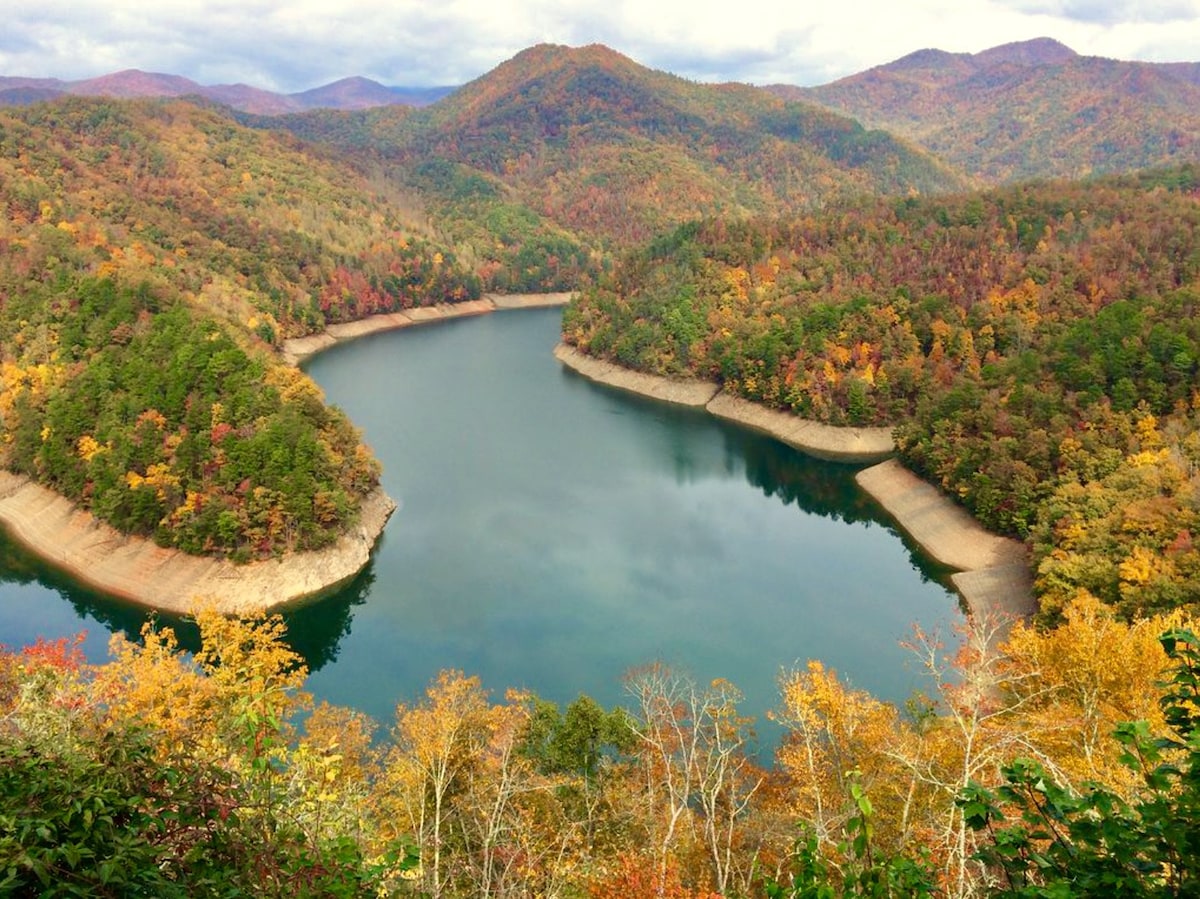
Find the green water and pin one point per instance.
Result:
(553, 533)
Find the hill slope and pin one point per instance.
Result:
(150, 254)
(1027, 110)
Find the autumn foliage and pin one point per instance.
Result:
(197, 775)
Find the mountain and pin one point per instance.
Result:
(604, 147)
(363, 93)
(348, 93)
(1027, 110)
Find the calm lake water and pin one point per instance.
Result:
(553, 533)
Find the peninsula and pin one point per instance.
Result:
(138, 570)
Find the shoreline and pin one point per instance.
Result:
(297, 349)
(138, 570)
(992, 576)
(993, 572)
(823, 441)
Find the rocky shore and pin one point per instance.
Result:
(993, 573)
(140, 571)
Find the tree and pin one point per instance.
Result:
(1095, 843)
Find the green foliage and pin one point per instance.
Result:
(1048, 841)
(163, 425)
(576, 741)
(110, 819)
(862, 871)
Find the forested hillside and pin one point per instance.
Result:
(151, 255)
(562, 152)
(1034, 109)
(1036, 347)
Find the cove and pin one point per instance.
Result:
(553, 534)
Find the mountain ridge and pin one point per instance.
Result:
(355, 92)
(1028, 109)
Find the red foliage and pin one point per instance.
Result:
(64, 653)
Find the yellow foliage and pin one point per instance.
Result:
(832, 731)
(1141, 567)
(89, 447)
(1148, 434)
(1075, 683)
(158, 476)
(152, 684)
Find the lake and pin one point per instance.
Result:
(553, 533)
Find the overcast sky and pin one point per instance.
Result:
(296, 46)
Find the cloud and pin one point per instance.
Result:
(306, 43)
(1107, 12)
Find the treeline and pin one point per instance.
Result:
(1060, 763)
(1032, 345)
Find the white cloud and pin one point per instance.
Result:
(306, 43)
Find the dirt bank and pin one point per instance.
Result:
(681, 391)
(140, 571)
(994, 574)
(822, 441)
(297, 349)
(836, 444)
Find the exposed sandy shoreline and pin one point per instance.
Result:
(822, 441)
(138, 570)
(836, 444)
(993, 572)
(681, 391)
(297, 349)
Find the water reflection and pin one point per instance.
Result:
(28, 587)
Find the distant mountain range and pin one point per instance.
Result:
(1017, 111)
(348, 93)
(1025, 110)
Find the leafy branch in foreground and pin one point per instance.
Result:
(1095, 843)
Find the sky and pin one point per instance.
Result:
(304, 44)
